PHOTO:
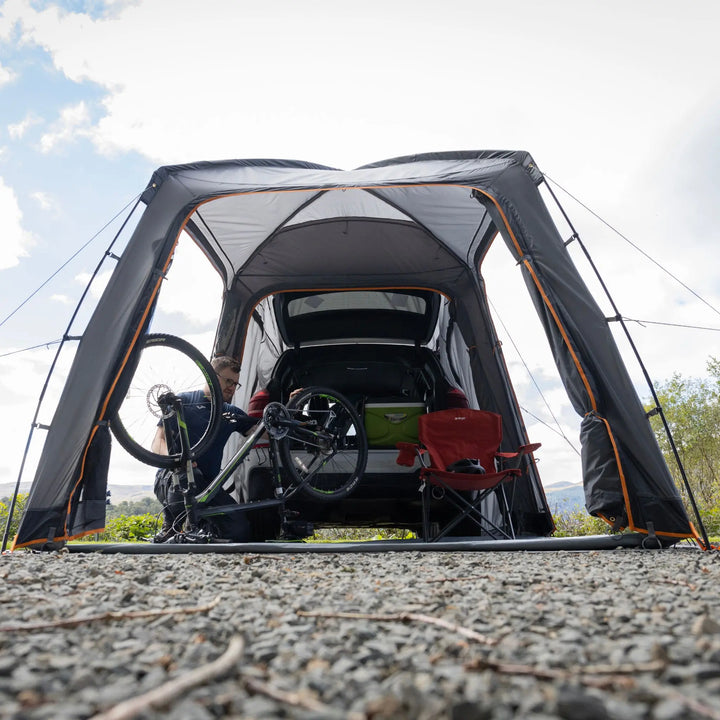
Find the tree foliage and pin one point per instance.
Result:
(143, 506)
(692, 410)
(17, 513)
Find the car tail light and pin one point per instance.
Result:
(257, 403)
(456, 399)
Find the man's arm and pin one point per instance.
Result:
(159, 444)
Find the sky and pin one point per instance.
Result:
(618, 102)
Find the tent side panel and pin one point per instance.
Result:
(636, 481)
(64, 499)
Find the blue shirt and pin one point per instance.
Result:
(196, 410)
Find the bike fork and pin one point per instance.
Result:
(187, 488)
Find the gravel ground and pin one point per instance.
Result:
(610, 634)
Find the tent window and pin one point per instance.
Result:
(356, 300)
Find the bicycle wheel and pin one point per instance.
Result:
(327, 455)
(165, 364)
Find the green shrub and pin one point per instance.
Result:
(577, 522)
(710, 517)
(133, 528)
(360, 534)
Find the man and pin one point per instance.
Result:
(196, 409)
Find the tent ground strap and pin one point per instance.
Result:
(651, 542)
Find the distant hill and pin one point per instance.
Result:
(8, 488)
(118, 493)
(565, 496)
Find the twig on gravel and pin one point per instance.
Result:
(405, 617)
(131, 615)
(592, 675)
(295, 699)
(459, 579)
(248, 559)
(169, 691)
(698, 709)
(669, 581)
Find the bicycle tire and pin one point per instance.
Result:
(329, 471)
(164, 363)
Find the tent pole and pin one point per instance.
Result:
(66, 336)
(618, 317)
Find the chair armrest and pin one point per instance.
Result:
(522, 450)
(516, 456)
(407, 453)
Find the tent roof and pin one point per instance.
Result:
(238, 205)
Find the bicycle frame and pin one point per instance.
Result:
(197, 505)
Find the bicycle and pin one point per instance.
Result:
(316, 443)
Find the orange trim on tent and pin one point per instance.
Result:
(626, 496)
(103, 409)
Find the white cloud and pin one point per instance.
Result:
(266, 64)
(45, 200)
(21, 377)
(17, 131)
(99, 284)
(62, 299)
(15, 239)
(192, 290)
(74, 122)
(6, 75)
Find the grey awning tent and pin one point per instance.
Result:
(424, 221)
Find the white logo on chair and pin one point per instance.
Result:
(396, 418)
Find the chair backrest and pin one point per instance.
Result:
(451, 435)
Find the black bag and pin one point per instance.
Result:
(470, 466)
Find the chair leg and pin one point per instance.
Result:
(506, 510)
(425, 495)
(472, 511)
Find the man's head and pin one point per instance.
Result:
(228, 371)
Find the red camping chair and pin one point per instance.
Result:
(449, 437)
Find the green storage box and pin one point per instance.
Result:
(390, 423)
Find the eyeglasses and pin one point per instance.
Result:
(229, 381)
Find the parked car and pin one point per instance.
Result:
(376, 348)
